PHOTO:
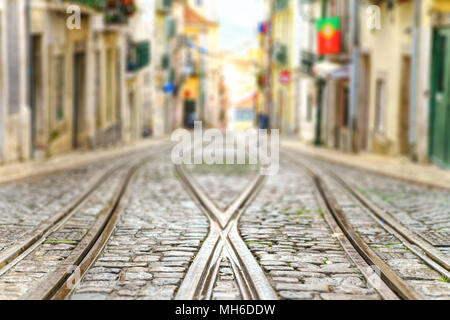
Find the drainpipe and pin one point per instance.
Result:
(352, 121)
(320, 87)
(30, 76)
(413, 85)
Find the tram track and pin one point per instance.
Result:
(9, 256)
(223, 242)
(59, 283)
(428, 254)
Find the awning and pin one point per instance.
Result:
(327, 69)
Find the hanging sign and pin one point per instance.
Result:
(328, 35)
(285, 77)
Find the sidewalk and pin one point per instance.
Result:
(20, 170)
(397, 167)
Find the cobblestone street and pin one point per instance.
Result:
(136, 227)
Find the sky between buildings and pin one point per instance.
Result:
(238, 21)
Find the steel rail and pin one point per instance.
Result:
(60, 282)
(12, 255)
(427, 252)
(427, 184)
(401, 231)
(387, 275)
(223, 241)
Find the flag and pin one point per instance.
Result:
(328, 35)
(263, 28)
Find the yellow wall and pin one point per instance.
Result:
(440, 5)
(386, 48)
(282, 30)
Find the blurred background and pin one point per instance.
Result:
(357, 76)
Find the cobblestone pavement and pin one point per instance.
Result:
(429, 283)
(159, 233)
(285, 230)
(419, 208)
(161, 229)
(27, 203)
(223, 183)
(29, 273)
(226, 287)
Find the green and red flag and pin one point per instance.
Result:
(328, 35)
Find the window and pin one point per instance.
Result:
(281, 5)
(345, 106)
(59, 85)
(441, 62)
(110, 85)
(98, 92)
(309, 108)
(13, 56)
(380, 105)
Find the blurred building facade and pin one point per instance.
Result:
(366, 76)
(84, 74)
(63, 87)
(14, 105)
(284, 55)
(199, 94)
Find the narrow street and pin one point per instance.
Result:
(136, 226)
(225, 158)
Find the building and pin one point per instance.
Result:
(64, 86)
(15, 110)
(404, 85)
(385, 77)
(430, 134)
(73, 108)
(306, 80)
(199, 93)
(163, 75)
(243, 112)
(140, 38)
(285, 62)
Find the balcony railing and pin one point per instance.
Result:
(279, 53)
(118, 11)
(307, 61)
(138, 56)
(95, 4)
(115, 11)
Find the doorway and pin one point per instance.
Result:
(37, 114)
(189, 113)
(440, 99)
(404, 125)
(362, 125)
(78, 98)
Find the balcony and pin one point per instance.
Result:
(118, 11)
(307, 61)
(165, 61)
(279, 53)
(139, 56)
(280, 5)
(164, 6)
(115, 11)
(94, 4)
